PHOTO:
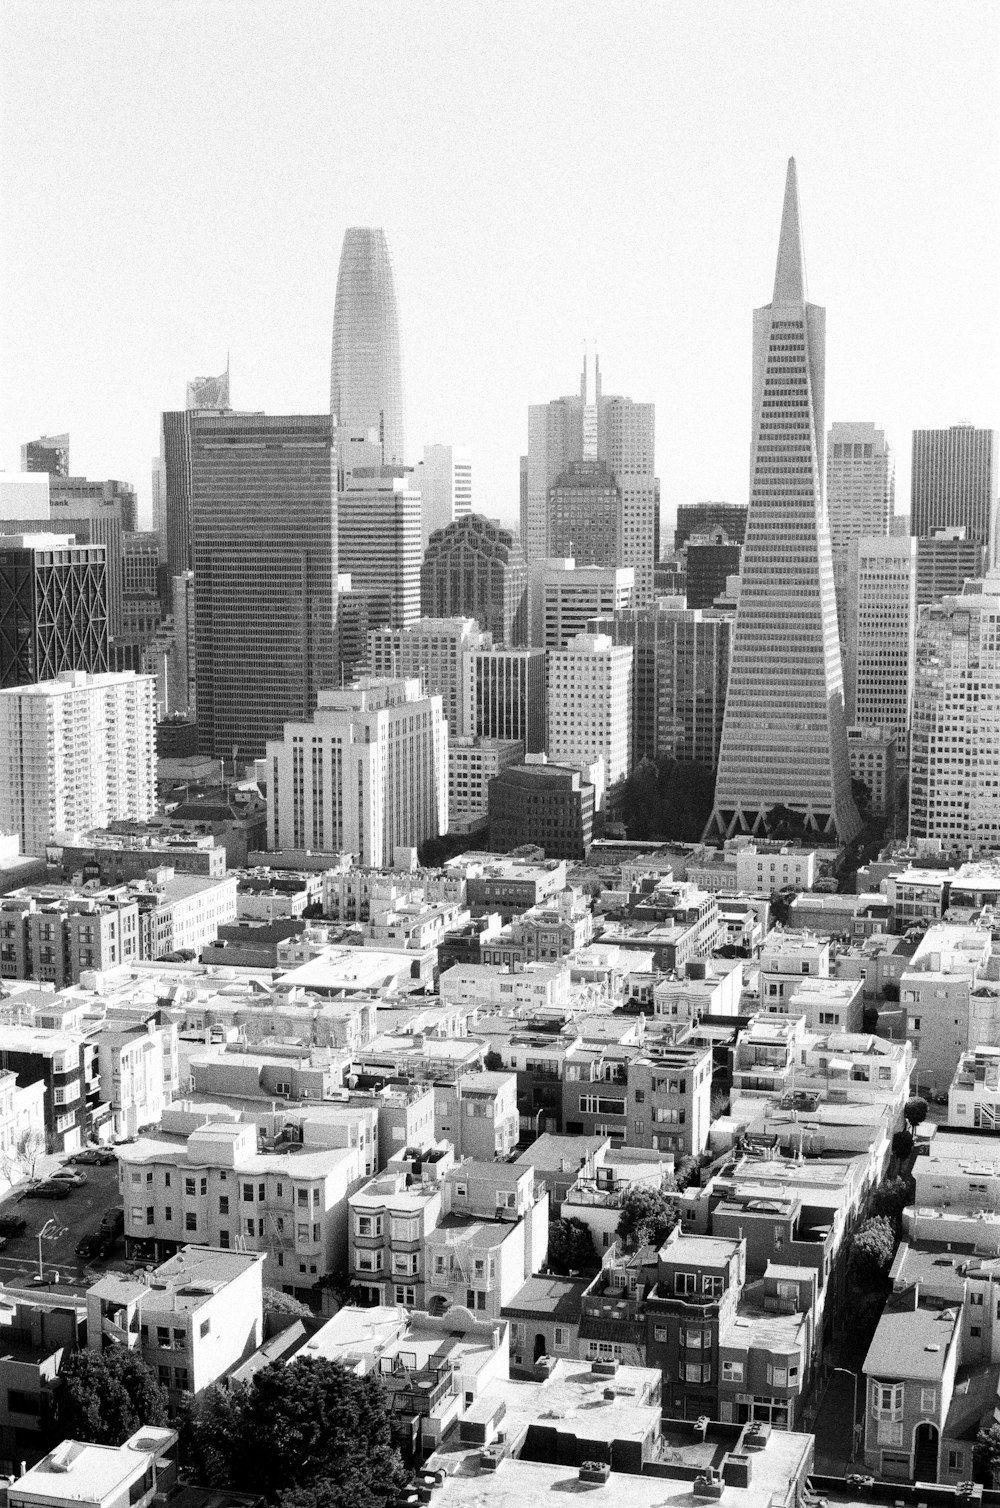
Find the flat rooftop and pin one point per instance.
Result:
(90, 1473)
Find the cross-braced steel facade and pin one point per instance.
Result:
(53, 611)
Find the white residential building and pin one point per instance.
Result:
(75, 753)
(590, 704)
(432, 650)
(368, 775)
(880, 619)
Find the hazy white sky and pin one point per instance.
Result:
(177, 176)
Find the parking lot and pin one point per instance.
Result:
(70, 1219)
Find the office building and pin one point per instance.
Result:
(571, 595)
(702, 518)
(140, 589)
(49, 453)
(368, 774)
(953, 482)
(946, 560)
(265, 574)
(53, 608)
(584, 514)
(209, 392)
(590, 704)
(880, 622)
(432, 651)
(172, 479)
(366, 371)
(954, 748)
(78, 751)
(872, 754)
(359, 614)
(860, 493)
(680, 672)
(550, 806)
(24, 501)
(505, 696)
(472, 568)
(710, 560)
(472, 764)
(378, 528)
(444, 480)
(593, 427)
(784, 737)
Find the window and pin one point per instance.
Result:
(956, 1460)
(560, 1337)
(261, 1193)
(249, 1225)
(204, 1185)
(190, 1220)
(685, 1282)
(181, 1378)
(368, 1225)
(506, 1199)
(475, 1298)
(888, 1397)
(204, 1328)
(163, 1336)
(224, 1243)
(166, 1180)
(732, 1371)
(711, 1284)
(248, 1192)
(777, 1377)
(975, 1298)
(150, 1214)
(302, 1233)
(189, 1186)
(223, 1204)
(928, 1400)
(659, 1332)
(696, 1371)
(405, 1294)
(279, 1190)
(168, 1212)
(302, 1198)
(316, 1231)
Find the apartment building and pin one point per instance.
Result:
(130, 1070)
(543, 933)
(951, 1003)
(193, 1319)
(391, 1217)
(136, 1474)
(974, 1092)
(213, 1188)
(65, 1064)
(493, 1234)
(698, 1281)
(478, 1115)
(669, 1096)
(52, 934)
(789, 957)
(35, 1343)
(909, 1380)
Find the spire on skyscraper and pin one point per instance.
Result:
(790, 272)
(366, 378)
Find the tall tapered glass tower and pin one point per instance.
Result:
(366, 374)
(784, 738)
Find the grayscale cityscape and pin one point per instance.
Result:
(500, 854)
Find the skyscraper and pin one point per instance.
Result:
(860, 489)
(209, 392)
(590, 704)
(505, 696)
(48, 453)
(954, 750)
(472, 569)
(53, 608)
(784, 737)
(953, 480)
(584, 514)
(702, 518)
(366, 374)
(378, 527)
(264, 528)
(431, 651)
(881, 615)
(444, 480)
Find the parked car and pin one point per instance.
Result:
(52, 1188)
(113, 1221)
(97, 1243)
(70, 1176)
(12, 1225)
(94, 1157)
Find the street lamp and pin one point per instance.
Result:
(854, 1409)
(50, 1231)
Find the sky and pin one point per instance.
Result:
(176, 177)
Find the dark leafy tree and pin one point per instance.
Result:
(276, 1302)
(915, 1111)
(571, 1246)
(869, 1019)
(648, 1216)
(670, 798)
(781, 909)
(493, 1061)
(986, 1454)
(902, 1145)
(686, 1172)
(891, 1198)
(719, 1104)
(307, 1435)
(105, 1396)
(873, 1247)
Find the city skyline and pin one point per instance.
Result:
(497, 289)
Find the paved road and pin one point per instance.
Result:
(74, 1217)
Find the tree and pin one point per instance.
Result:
(20, 1160)
(105, 1396)
(276, 1302)
(986, 1453)
(902, 1145)
(891, 1198)
(719, 1104)
(307, 1435)
(872, 1250)
(915, 1111)
(648, 1216)
(571, 1246)
(493, 1061)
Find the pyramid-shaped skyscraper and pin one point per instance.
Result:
(784, 738)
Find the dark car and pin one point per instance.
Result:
(94, 1157)
(96, 1244)
(53, 1188)
(12, 1225)
(113, 1221)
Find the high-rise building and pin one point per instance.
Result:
(953, 481)
(954, 748)
(264, 527)
(24, 500)
(444, 480)
(49, 453)
(872, 756)
(431, 651)
(710, 559)
(590, 704)
(378, 526)
(592, 427)
(548, 805)
(784, 737)
(140, 588)
(366, 372)
(571, 595)
(860, 492)
(505, 696)
(880, 620)
(472, 764)
(680, 671)
(76, 752)
(209, 392)
(172, 476)
(702, 518)
(473, 569)
(946, 560)
(53, 608)
(368, 774)
(584, 514)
